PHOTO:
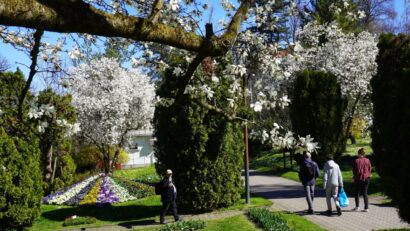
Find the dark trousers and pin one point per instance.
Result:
(361, 187)
(165, 208)
(310, 194)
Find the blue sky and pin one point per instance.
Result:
(15, 57)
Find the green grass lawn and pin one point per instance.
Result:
(299, 223)
(134, 173)
(240, 222)
(145, 210)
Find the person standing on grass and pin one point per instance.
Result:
(332, 182)
(362, 169)
(308, 172)
(168, 197)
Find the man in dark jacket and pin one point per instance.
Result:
(168, 197)
(308, 172)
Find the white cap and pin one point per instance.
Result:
(169, 171)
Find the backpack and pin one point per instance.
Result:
(158, 188)
(311, 170)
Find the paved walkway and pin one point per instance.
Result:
(289, 195)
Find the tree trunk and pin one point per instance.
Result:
(106, 163)
(54, 169)
(284, 159)
(349, 120)
(115, 158)
(352, 138)
(291, 158)
(49, 167)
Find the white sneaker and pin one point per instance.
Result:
(356, 209)
(365, 210)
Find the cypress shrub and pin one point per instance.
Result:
(204, 150)
(391, 124)
(20, 182)
(317, 109)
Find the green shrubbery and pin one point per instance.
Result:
(318, 98)
(203, 148)
(79, 221)
(391, 121)
(184, 226)
(267, 220)
(20, 181)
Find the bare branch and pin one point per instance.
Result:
(216, 109)
(34, 54)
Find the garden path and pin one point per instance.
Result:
(288, 195)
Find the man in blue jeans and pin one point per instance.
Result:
(308, 172)
(168, 197)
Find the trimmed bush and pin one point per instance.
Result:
(268, 221)
(79, 221)
(184, 226)
(317, 109)
(203, 149)
(391, 124)
(20, 182)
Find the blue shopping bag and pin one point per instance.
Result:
(343, 200)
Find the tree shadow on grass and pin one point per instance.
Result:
(106, 213)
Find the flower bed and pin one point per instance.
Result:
(100, 189)
(138, 190)
(91, 197)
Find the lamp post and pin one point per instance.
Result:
(247, 193)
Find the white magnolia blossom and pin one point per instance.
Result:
(111, 100)
(178, 71)
(352, 58)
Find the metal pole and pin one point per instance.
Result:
(247, 166)
(246, 146)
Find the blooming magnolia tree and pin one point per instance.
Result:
(110, 101)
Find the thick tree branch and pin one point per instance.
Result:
(34, 54)
(79, 17)
(156, 10)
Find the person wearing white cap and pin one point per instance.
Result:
(168, 197)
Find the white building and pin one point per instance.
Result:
(140, 148)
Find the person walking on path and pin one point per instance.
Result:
(308, 172)
(168, 197)
(361, 175)
(332, 181)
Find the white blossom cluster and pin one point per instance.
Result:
(44, 113)
(110, 100)
(288, 140)
(352, 58)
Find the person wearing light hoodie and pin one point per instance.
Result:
(332, 181)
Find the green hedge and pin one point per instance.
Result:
(317, 109)
(203, 149)
(268, 221)
(391, 119)
(20, 182)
